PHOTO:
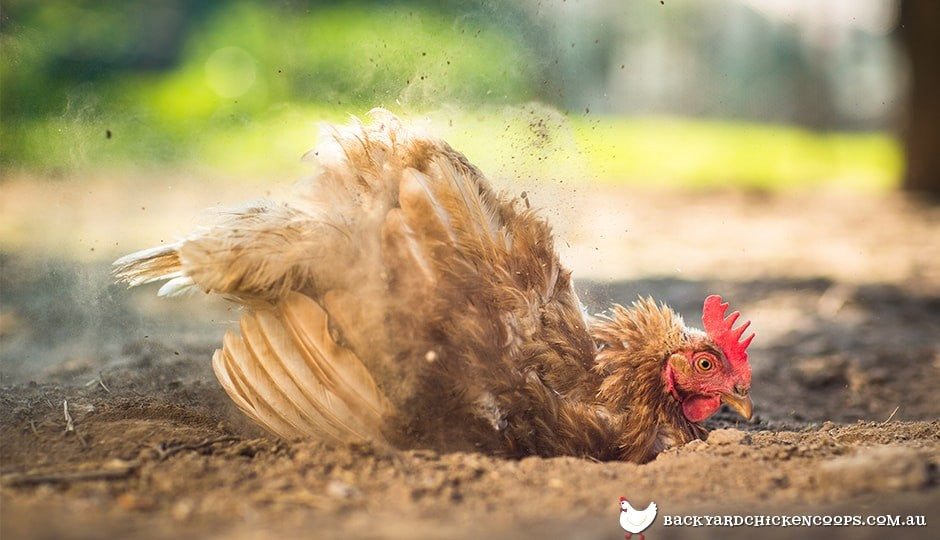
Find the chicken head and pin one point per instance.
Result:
(713, 368)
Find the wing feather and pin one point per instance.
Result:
(288, 374)
(221, 365)
(326, 410)
(250, 381)
(337, 368)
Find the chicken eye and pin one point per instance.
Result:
(704, 363)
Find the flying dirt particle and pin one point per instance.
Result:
(107, 134)
(587, 110)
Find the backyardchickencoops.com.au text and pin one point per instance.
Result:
(795, 521)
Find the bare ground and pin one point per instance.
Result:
(844, 292)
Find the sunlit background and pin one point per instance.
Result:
(123, 120)
(765, 93)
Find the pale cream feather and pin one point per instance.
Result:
(288, 374)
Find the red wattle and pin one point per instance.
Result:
(698, 408)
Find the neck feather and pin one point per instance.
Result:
(635, 345)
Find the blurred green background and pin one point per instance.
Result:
(757, 93)
(671, 138)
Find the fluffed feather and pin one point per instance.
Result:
(397, 298)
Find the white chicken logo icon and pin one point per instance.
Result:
(636, 521)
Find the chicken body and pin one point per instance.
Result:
(397, 298)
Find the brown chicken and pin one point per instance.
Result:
(396, 298)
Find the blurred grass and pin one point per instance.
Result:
(702, 153)
(238, 81)
(235, 102)
(535, 141)
(530, 141)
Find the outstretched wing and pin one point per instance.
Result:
(397, 280)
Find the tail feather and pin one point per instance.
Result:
(448, 211)
(149, 265)
(288, 374)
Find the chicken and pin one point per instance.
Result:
(396, 298)
(636, 521)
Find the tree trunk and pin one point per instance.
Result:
(920, 32)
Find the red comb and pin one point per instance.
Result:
(721, 331)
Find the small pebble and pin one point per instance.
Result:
(342, 490)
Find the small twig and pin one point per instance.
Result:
(70, 424)
(115, 473)
(99, 380)
(164, 453)
(32, 426)
(892, 414)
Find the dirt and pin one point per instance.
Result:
(112, 424)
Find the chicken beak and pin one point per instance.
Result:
(741, 404)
